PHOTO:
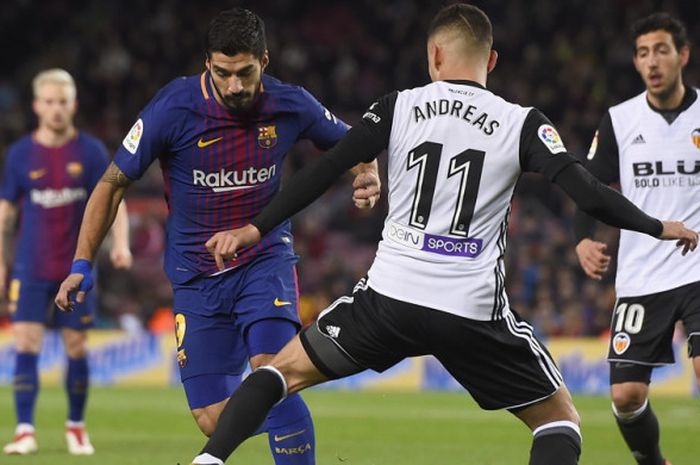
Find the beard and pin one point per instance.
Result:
(239, 102)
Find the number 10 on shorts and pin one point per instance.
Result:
(629, 317)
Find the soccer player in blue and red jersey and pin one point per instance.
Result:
(48, 176)
(221, 138)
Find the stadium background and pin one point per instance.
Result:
(570, 59)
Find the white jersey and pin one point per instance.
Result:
(658, 167)
(456, 151)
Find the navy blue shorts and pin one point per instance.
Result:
(223, 320)
(32, 300)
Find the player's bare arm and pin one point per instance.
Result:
(120, 253)
(100, 212)
(8, 216)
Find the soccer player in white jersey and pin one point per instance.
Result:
(436, 287)
(650, 145)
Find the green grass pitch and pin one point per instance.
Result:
(148, 426)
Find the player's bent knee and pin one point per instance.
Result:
(628, 397)
(206, 420)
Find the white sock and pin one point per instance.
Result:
(24, 428)
(75, 424)
(207, 459)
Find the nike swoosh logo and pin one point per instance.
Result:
(36, 174)
(206, 143)
(281, 303)
(287, 436)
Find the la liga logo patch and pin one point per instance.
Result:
(620, 343)
(550, 137)
(132, 139)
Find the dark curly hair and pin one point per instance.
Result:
(661, 22)
(236, 31)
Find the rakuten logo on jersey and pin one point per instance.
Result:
(223, 181)
(52, 198)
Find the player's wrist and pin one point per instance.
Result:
(81, 266)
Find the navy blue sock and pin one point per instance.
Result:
(291, 433)
(26, 386)
(77, 381)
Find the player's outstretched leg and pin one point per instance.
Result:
(251, 404)
(243, 415)
(26, 388)
(555, 428)
(289, 426)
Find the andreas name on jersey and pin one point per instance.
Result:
(457, 109)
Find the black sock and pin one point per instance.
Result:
(245, 411)
(557, 445)
(641, 433)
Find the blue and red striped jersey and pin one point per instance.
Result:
(50, 185)
(221, 168)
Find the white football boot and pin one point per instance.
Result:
(24, 442)
(78, 440)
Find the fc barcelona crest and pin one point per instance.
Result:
(267, 136)
(696, 137)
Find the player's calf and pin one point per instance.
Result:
(556, 443)
(555, 427)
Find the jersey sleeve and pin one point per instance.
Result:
(148, 138)
(541, 148)
(603, 159)
(99, 159)
(319, 125)
(362, 144)
(11, 189)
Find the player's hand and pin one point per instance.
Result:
(121, 258)
(73, 289)
(69, 293)
(675, 230)
(367, 189)
(592, 257)
(223, 245)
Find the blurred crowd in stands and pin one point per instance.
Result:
(571, 59)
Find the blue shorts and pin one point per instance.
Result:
(33, 301)
(214, 316)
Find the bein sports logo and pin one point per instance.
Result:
(224, 181)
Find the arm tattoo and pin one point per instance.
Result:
(113, 175)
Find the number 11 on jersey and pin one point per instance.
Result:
(468, 165)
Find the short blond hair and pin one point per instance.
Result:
(54, 76)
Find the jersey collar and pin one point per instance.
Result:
(689, 97)
(465, 82)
